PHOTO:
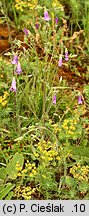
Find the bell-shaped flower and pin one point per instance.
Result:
(18, 69)
(56, 20)
(80, 101)
(46, 16)
(15, 60)
(54, 99)
(60, 61)
(13, 85)
(26, 32)
(37, 25)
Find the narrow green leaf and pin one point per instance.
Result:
(6, 190)
(9, 196)
(3, 173)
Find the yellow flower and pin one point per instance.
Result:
(29, 193)
(49, 143)
(43, 158)
(78, 166)
(29, 167)
(50, 158)
(17, 1)
(72, 127)
(4, 103)
(33, 190)
(1, 75)
(36, 154)
(40, 148)
(57, 4)
(34, 171)
(19, 174)
(24, 171)
(18, 168)
(1, 99)
(6, 93)
(65, 126)
(75, 122)
(70, 132)
(58, 158)
(31, 175)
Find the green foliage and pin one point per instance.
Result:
(3, 173)
(80, 151)
(10, 172)
(11, 166)
(5, 188)
(44, 144)
(78, 17)
(5, 191)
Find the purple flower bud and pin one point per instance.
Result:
(60, 61)
(80, 99)
(15, 60)
(26, 32)
(18, 69)
(54, 99)
(46, 16)
(37, 25)
(66, 55)
(56, 20)
(13, 85)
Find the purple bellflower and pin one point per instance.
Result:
(56, 20)
(15, 60)
(66, 55)
(37, 25)
(54, 99)
(60, 61)
(46, 16)
(80, 99)
(26, 32)
(18, 69)
(13, 85)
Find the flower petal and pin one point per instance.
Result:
(15, 60)
(54, 99)
(13, 85)
(46, 16)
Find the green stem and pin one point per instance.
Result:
(7, 21)
(44, 101)
(44, 93)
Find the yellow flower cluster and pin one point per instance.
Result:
(69, 125)
(79, 172)
(18, 167)
(27, 192)
(23, 4)
(24, 192)
(57, 4)
(3, 99)
(32, 4)
(30, 170)
(47, 151)
(20, 5)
